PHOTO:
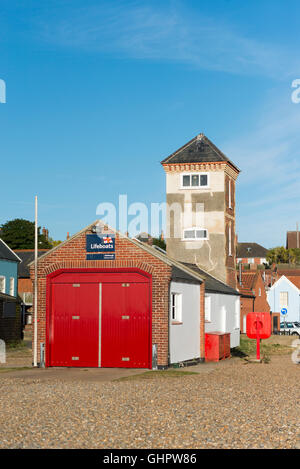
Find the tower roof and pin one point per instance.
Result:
(198, 150)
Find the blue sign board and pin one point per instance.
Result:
(100, 247)
(283, 311)
(100, 243)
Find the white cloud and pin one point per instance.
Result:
(268, 188)
(170, 32)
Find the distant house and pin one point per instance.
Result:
(10, 309)
(285, 293)
(292, 239)
(251, 253)
(8, 270)
(254, 298)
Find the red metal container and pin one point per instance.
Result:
(217, 346)
(258, 325)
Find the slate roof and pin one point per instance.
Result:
(182, 276)
(198, 150)
(27, 256)
(6, 253)
(5, 297)
(251, 250)
(212, 284)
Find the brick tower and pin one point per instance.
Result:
(200, 221)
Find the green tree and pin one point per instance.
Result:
(159, 242)
(53, 242)
(280, 255)
(19, 234)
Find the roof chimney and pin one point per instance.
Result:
(68, 235)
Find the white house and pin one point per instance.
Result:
(285, 294)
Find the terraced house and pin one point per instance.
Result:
(10, 310)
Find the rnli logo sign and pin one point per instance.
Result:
(100, 247)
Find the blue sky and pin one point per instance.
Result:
(99, 92)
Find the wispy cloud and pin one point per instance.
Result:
(169, 31)
(268, 187)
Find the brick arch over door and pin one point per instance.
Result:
(92, 320)
(95, 265)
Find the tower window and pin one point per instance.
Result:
(194, 180)
(194, 234)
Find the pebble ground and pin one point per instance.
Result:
(235, 405)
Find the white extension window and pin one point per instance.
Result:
(194, 180)
(229, 241)
(2, 284)
(195, 234)
(12, 286)
(207, 303)
(283, 299)
(229, 194)
(176, 307)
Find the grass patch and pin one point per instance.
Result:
(247, 348)
(19, 345)
(158, 374)
(20, 368)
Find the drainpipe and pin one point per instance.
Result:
(35, 284)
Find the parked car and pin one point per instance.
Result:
(291, 328)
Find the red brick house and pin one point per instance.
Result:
(25, 287)
(168, 323)
(251, 253)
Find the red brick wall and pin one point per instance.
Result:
(247, 305)
(260, 304)
(230, 261)
(25, 285)
(73, 255)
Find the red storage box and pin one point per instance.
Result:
(217, 346)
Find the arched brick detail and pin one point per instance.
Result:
(72, 255)
(95, 264)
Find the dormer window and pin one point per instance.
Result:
(195, 234)
(194, 180)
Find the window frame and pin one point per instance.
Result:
(176, 308)
(195, 174)
(229, 240)
(207, 308)
(229, 194)
(284, 305)
(2, 277)
(12, 286)
(195, 239)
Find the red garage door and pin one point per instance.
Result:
(95, 319)
(125, 332)
(74, 325)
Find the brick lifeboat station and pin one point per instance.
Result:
(107, 300)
